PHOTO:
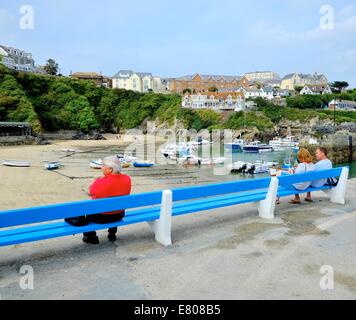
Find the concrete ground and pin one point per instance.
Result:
(222, 254)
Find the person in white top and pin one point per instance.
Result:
(305, 165)
(323, 163)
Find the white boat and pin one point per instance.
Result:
(52, 165)
(235, 146)
(269, 163)
(257, 168)
(172, 150)
(257, 147)
(68, 150)
(200, 142)
(238, 167)
(288, 142)
(16, 163)
(126, 159)
(194, 160)
(213, 161)
(96, 164)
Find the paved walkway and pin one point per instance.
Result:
(227, 254)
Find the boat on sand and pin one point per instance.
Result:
(16, 163)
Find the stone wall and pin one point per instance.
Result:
(339, 147)
(17, 140)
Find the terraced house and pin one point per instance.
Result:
(137, 81)
(202, 83)
(17, 59)
(214, 100)
(292, 80)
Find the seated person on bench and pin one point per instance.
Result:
(305, 165)
(112, 184)
(323, 163)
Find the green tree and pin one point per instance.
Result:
(51, 67)
(339, 86)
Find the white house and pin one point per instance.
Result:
(342, 105)
(214, 100)
(314, 90)
(17, 59)
(254, 92)
(137, 81)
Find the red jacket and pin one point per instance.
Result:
(113, 185)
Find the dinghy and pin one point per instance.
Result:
(96, 164)
(144, 164)
(52, 165)
(68, 150)
(16, 163)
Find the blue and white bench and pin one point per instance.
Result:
(157, 208)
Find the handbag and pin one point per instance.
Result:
(79, 221)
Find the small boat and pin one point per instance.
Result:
(16, 163)
(257, 168)
(213, 161)
(235, 146)
(238, 167)
(269, 163)
(200, 142)
(257, 147)
(172, 150)
(288, 142)
(96, 164)
(52, 165)
(124, 158)
(193, 160)
(144, 164)
(68, 150)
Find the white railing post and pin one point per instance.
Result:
(162, 226)
(266, 208)
(337, 194)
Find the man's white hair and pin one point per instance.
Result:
(112, 162)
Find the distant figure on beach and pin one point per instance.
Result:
(323, 163)
(305, 165)
(112, 184)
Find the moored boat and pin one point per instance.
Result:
(238, 167)
(16, 163)
(257, 147)
(257, 168)
(52, 165)
(96, 164)
(143, 164)
(288, 142)
(235, 146)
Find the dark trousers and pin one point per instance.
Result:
(104, 219)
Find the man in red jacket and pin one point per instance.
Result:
(112, 184)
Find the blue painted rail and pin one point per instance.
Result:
(158, 208)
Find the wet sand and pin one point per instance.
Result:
(33, 186)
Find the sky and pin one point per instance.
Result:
(176, 38)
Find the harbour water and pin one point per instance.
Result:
(283, 156)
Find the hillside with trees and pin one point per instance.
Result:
(52, 103)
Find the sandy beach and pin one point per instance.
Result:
(33, 186)
(24, 187)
